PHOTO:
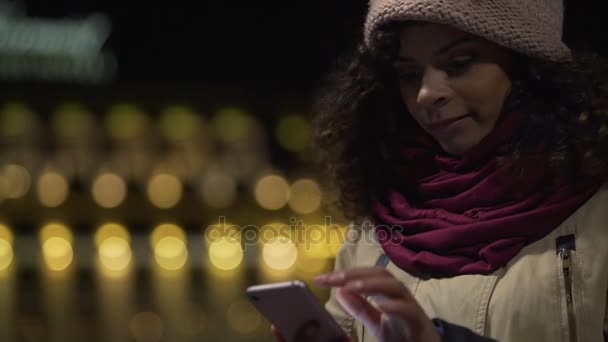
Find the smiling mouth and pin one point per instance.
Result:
(448, 122)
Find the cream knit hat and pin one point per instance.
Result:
(532, 27)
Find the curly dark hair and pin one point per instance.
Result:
(359, 112)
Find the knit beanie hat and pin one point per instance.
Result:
(531, 27)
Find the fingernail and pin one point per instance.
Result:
(338, 276)
(320, 277)
(355, 285)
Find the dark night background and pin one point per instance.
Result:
(267, 44)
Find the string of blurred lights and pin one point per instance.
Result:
(282, 253)
(128, 161)
(217, 159)
(280, 246)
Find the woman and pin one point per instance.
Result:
(470, 149)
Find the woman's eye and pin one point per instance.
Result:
(460, 63)
(409, 75)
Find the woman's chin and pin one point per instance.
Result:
(457, 148)
(461, 140)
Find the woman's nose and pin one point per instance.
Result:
(434, 91)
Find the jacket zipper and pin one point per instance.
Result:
(565, 246)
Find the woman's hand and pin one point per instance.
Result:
(392, 299)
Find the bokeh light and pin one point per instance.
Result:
(164, 190)
(222, 229)
(169, 244)
(72, 120)
(125, 121)
(52, 189)
(226, 253)
(5, 233)
(305, 196)
(6, 254)
(179, 123)
(310, 265)
(314, 252)
(243, 317)
(293, 132)
(317, 242)
(16, 119)
(171, 253)
(272, 192)
(113, 249)
(147, 327)
(164, 230)
(109, 190)
(109, 230)
(56, 230)
(337, 234)
(231, 124)
(57, 252)
(269, 232)
(16, 181)
(115, 253)
(280, 253)
(218, 190)
(6, 247)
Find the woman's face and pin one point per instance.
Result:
(454, 84)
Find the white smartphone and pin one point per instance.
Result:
(295, 311)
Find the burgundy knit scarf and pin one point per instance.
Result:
(469, 214)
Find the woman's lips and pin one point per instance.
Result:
(449, 125)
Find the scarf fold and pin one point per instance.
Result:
(469, 214)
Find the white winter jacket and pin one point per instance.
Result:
(554, 290)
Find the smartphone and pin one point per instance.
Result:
(295, 311)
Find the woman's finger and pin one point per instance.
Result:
(394, 328)
(387, 320)
(385, 286)
(340, 278)
(409, 311)
(359, 308)
(411, 320)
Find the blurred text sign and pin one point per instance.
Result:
(55, 50)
